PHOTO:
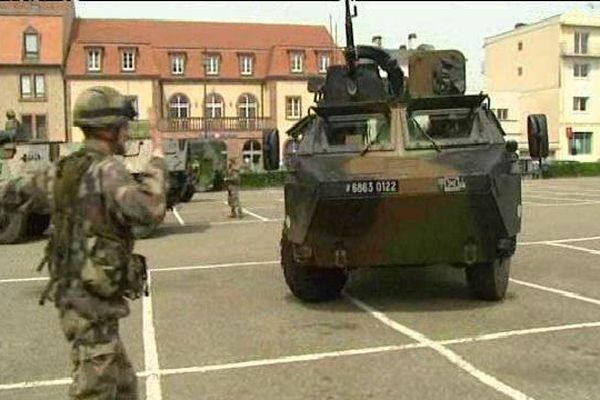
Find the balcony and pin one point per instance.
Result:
(228, 124)
(567, 49)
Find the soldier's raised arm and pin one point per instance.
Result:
(141, 201)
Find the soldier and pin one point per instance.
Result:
(94, 202)
(233, 189)
(11, 128)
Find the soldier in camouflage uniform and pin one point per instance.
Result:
(11, 128)
(94, 202)
(233, 182)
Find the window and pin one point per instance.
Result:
(212, 65)
(178, 64)
(246, 65)
(297, 59)
(32, 44)
(247, 106)
(41, 130)
(323, 63)
(251, 154)
(581, 70)
(27, 126)
(293, 107)
(502, 114)
(128, 60)
(179, 106)
(581, 42)
(580, 103)
(33, 86)
(214, 106)
(580, 143)
(40, 86)
(520, 71)
(520, 46)
(26, 86)
(94, 60)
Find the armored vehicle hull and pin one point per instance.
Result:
(454, 203)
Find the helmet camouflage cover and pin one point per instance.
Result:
(102, 107)
(10, 114)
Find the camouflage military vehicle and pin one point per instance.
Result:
(22, 159)
(399, 172)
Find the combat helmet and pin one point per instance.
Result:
(10, 114)
(102, 107)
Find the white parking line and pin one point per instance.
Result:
(214, 266)
(564, 293)
(179, 219)
(19, 280)
(290, 359)
(568, 246)
(450, 355)
(578, 203)
(153, 389)
(318, 356)
(246, 211)
(581, 239)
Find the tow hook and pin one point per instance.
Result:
(341, 259)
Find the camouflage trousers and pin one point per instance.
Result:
(101, 368)
(233, 199)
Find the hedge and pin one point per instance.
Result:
(557, 169)
(263, 179)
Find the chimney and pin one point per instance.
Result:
(376, 41)
(402, 47)
(519, 24)
(412, 37)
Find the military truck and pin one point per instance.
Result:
(392, 172)
(22, 159)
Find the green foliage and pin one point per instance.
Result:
(263, 179)
(559, 169)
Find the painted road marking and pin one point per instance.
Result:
(564, 293)
(214, 266)
(450, 355)
(318, 356)
(153, 389)
(179, 219)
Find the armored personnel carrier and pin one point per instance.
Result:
(392, 172)
(23, 218)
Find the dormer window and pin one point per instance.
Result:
(211, 65)
(323, 63)
(297, 61)
(31, 42)
(178, 64)
(128, 60)
(94, 60)
(246, 65)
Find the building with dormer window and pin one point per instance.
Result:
(208, 79)
(35, 42)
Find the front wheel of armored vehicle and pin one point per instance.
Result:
(489, 281)
(308, 283)
(38, 224)
(13, 226)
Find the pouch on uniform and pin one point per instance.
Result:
(136, 278)
(102, 280)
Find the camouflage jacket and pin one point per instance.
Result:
(107, 194)
(233, 178)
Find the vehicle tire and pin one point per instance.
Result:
(489, 281)
(143, 231)
(188, 192)
(37, 224)
(13, 227)
(308, 283)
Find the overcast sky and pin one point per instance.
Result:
(452, 24)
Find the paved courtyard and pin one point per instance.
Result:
(221, 324)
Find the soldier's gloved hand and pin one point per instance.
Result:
(157, 142)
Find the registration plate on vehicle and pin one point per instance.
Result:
(371, 186)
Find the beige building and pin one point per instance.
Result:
(216, 80)
(35, 40)
(549, 67)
